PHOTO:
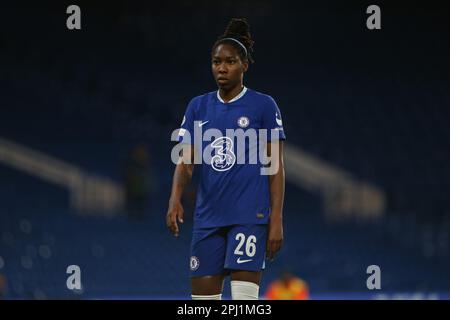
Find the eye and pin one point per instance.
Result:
(216, 62)
(232, 61)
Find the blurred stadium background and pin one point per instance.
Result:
(85, 124)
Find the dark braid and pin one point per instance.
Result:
(238, 29)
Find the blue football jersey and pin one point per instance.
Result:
(231, 189)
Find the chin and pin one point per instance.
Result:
(224, 86)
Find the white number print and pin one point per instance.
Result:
(225, 157)
(240, 236)
(250, 248)
(250, 245)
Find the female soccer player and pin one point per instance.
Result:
(238, 214)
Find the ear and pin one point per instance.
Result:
(245, 65)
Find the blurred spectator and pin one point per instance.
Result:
(138, 183)
(288, 287)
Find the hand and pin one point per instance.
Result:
(175, 212)
(275, 237)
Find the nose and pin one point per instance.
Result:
(221, 68)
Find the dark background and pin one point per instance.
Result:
(375, 103)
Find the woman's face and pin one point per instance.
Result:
(227, 67)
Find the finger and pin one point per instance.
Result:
(267, 254)
(279, 245)
(176, 230)
(169, 220)
(181, 216)
(275, 248)
(168, 223)
(174, 225)
(269, 251)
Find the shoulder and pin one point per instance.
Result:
(196, 101)
(204, 96)
(263, 100)
(261, 97)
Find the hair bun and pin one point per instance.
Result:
(237, 27)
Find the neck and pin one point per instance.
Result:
(227, 95)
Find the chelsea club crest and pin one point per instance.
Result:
(194, 263)
(243, 122)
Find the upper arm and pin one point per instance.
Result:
(272, 120)
(275, 152)
(186, 133)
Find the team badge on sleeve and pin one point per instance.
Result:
(278, 119)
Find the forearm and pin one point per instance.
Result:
(276, 184)
(181, 177)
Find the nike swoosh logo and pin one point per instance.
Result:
(202, 123)
(243, 261)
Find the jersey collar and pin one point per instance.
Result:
(240, 95)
